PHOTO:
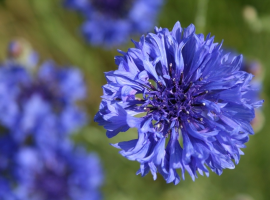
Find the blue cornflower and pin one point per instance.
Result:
(67, 173)
(111, 22)
(190, 97)
(38, 112)
(37, 102)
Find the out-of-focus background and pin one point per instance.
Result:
(244, 25)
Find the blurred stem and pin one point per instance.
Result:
(200, 18)
(63, 40)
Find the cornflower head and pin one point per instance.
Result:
(39, 110)
(37, 102)
(111, 22)
(190, 97)
(67, 173)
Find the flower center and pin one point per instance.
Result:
(44, 90)
(113, 8)
(38, 88)
(51, 185)
(174, 101)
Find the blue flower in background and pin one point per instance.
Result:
(39, 102)
(111, 22)
(65, 174)
(187, 100)
(39, 111)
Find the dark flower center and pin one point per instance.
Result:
(48, 92)
(113, 8)
(51, 185)
(45, 92)
(172, 105)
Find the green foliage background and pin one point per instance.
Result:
(53, 32)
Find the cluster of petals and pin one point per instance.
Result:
(186, 97)
(39, 109)
(110, 23)
(38, 102)
(67, 173)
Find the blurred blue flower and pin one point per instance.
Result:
(40, 103)
(190, 97)
(65, 174)
(39, 109)
(111, 22)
